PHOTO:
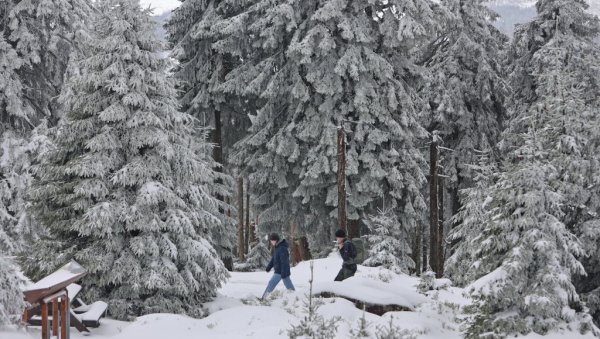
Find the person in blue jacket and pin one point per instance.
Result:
(280, 262)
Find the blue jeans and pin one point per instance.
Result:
(275, 279)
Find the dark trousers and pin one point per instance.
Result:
(346, 272)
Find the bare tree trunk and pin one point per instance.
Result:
(294, 247)
(247, 225)
(217, 151)
(433, 206)
(424, 250)
(416, 248)
(341, 178)
(353, 229)
(240, 227)
(440, 232)
(252, 237)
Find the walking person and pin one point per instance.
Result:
(348, 253)
(280, 262)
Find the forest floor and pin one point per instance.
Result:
(237, 312)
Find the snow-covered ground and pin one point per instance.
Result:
(237, 313)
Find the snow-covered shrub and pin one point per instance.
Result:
(11, 297)
(389, 243)
(427, 281)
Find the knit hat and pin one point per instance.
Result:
(274, 236)
(340, 233)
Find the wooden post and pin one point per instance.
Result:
(65, 316)
(45, 333)
(341, 177)
(247, 225)
(433, 205)
(55, 317)
(240, 228)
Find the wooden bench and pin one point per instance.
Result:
(59, 291)
(83, 316)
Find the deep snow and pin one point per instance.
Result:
(237, 313)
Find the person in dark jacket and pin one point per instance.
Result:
(280, 262)
(348, 253)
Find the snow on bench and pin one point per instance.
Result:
(377, 297)
(90, 315)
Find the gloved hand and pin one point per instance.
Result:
(268, 270)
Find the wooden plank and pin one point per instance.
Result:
(55, 317)
(25, 316)
(74, 321)
(54, 282)
(65, 332)
(45, 321)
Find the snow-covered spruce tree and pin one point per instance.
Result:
(525, 254)
(389, 243)
(199, 71)
(466, 88)
(555, 62)
(124, 192)
(258, 256)
(11, 296)
(527, 238)
(317, 65)
(470, 220)
(35, 40)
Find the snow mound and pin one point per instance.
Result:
(372, 292)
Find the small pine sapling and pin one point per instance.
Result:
(314, 325)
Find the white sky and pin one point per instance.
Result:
(160, 6)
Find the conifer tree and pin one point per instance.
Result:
(528, 239)
(258, 256)
(11, 300)
(317, 65)
(125, 191)
(466, 88)
(470, 221)
(555, 65)
(35, 40)
(389, 243)
(199, 72)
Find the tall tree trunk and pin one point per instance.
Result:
(440, 232)
(217, 150)
(240, 228)
(423, 245)
(252, 235)
(433, 205)
(217, 153)
(416, 250)
(341, 178)
(247, 225)
(296, 257)
(353, 229)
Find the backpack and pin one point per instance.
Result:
(357, 250)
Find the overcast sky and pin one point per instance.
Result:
(160, 6)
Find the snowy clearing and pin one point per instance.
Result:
(238, 313)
